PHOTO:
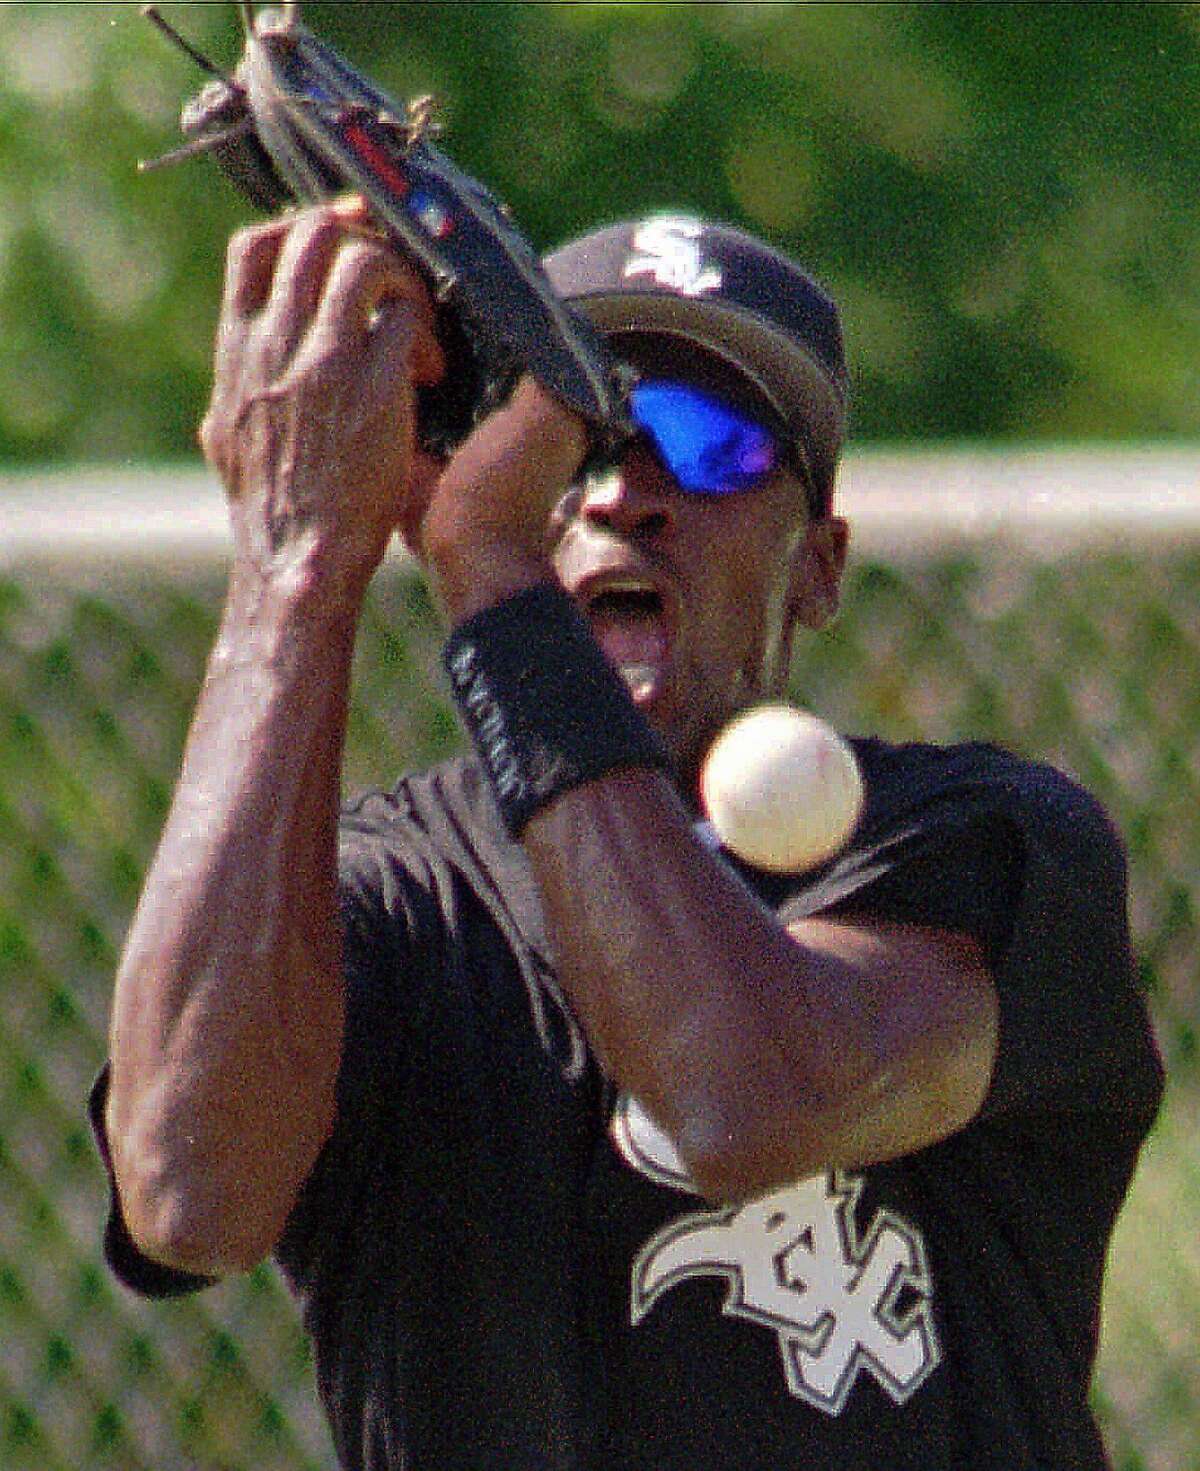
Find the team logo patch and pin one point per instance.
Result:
(841, 1302)
(668, 248)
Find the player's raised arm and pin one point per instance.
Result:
(595, 665)
(228, 1011)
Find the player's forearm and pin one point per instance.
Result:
(227, 1014)
(671, 963)
(766, 1054)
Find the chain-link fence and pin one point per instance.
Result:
(1091, 660)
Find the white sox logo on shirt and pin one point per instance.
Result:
(839, 1302)
(670, 252)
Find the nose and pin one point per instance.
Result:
(635, 497)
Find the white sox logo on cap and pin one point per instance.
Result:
(669, 250)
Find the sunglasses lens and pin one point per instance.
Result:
(709, 447)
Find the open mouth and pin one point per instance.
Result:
(629, 622)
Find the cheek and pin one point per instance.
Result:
(737, 632)
(755, 587)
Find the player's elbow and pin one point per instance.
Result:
(735, 1154)
(178, 1229)
(188, 1213)
(201, 1189)
(193, 1225)
(764, 1138)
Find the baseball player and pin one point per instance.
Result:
(581, 1144)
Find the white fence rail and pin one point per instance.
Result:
(899, 503)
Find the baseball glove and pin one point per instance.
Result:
(295, 123)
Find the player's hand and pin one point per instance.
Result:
(484, 531)
(324, 332)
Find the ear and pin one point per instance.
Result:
(816, 580)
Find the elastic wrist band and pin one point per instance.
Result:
(543, 706)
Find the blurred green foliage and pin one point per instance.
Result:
(1006, 198)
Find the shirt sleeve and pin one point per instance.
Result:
(951, 865)
(387, 913)
(963, 876)
(377, 970)
(1075, 1032)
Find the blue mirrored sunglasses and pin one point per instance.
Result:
(710, 447)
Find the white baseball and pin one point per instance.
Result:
(781, 788)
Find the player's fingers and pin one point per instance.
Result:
(364, 279)
(352, 209)
(304, 262)
(250, 267)
(305, 255)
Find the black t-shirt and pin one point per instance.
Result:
(502, 1263)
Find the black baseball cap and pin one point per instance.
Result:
(675, 276)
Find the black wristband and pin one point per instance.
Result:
(543, 706)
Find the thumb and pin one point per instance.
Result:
(424, 473)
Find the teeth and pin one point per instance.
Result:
(627, 618)
(624, 585)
